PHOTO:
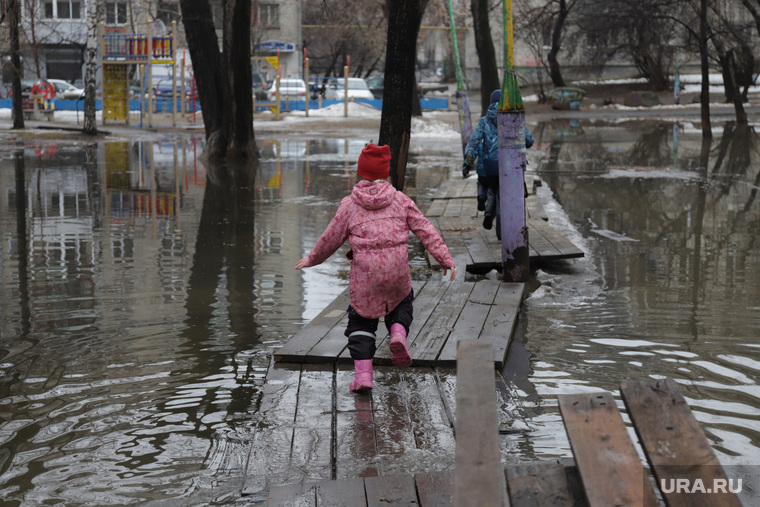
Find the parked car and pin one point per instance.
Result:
(66, 90)
(289, 88)
(257, 81)
(357, 89)
(375, 85)
(162, 89)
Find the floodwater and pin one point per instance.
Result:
(139, 304)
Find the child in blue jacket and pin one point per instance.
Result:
(483, 145)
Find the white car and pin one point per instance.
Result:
(289, 88)
(65, 90)
(357, 89)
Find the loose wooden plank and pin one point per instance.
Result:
(303, 341)
(609, 466)
(435, 489)
(343, 493)
(471, 320)
(674, 444)
(433, 336)
(391, 490)
(542, 483)
(502, 317)
(479, 478)
(567, 249)
(301, 494)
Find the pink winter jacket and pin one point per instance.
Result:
(376, 220)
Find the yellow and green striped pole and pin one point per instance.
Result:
(515, 257)
(463, 102)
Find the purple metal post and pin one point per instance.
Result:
(515, 257)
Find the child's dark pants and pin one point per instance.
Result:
(361, 330)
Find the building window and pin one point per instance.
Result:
(63, 9)
(116, 13)
(269, 15)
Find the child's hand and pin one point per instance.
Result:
(301, 263)
(453, 272)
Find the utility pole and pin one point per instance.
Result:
(515, 257)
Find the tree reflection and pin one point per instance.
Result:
(224, 258)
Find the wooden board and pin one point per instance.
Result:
(543, 483)
(501, 320)
(311, 449)
(303, 341)
(390, 490)
(565, 249)
(436, 331)
(301, 494)
(435, 489)
(478, 479)
(609, 466)
(345, 493)
(471, 320)
(674, 444)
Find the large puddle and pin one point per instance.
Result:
(139, 308)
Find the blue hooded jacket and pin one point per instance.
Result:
(484, 142)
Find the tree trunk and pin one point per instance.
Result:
(554, 68)
(489, 70)
(704, 97)
(237, 42)
(404, 18)
(14, 11)
(91, 63)
(221, 75)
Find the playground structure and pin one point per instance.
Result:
(127, 54)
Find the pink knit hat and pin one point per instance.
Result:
(375, 162)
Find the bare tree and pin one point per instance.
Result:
(223, 77)
(91, 62)
(13, 23)
(336, 29)
(547, 24)
(404, 18)
(489, 70)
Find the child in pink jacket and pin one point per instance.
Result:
(376, 220)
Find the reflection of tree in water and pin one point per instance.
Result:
(223, 264)
(653, 147)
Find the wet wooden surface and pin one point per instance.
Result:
(478, 478)
(454, 213)
(444, 313)
(675, 446)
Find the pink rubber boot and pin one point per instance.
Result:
(363, 376)
(400, 353)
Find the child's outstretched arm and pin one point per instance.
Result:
(334, 236)
(431, 239)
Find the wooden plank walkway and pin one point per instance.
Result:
(454, 213)
(444, 313)
(606, 470)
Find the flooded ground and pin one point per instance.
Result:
(138, 307)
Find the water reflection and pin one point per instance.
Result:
(671, 225)
(139, 300)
